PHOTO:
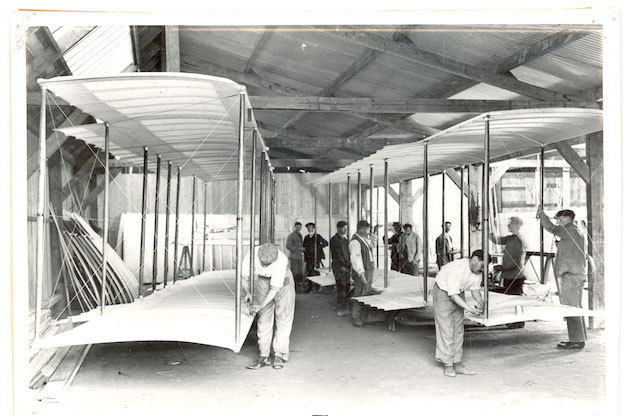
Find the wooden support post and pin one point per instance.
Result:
(329, 228)
(370, 196)
(239, 216)
(252, 211)
(468, 209)
(425, 219)
(40, 213)
(105, 228)
(156, 206)
(349, 205)
(461, 214)
(203, 268)
(406, 202)
(377, 222)
(358, 200)
(262, 214)
(595, 156)
(194, 196)
(485, 205)
(443, 214)
(143, 214)
(315, 227)
(167, 214)
(386, 221)
(176, 261)
(541, 236)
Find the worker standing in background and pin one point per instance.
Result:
(445, 253)
(274, 302)
(313, 254)
(571, 269)
(362, 266)
(394, 244)
(514, 250)
(294, 245)
(408, 250)
(449, 303)
(341, 266)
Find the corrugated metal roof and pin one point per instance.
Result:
(105, 50)
(190, 120)
(510, 131)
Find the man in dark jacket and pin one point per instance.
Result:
(313, 245)
(341, 264)
(570, 269)
(395, 258)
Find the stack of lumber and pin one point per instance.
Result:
(83, 266)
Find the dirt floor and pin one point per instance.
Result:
(336, 368)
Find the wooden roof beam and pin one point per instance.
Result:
(366, 58)
(569, 155)
(172, 48)
(409, 106)
(333, 142)
(328, 164)
(477, 73)
(261, 44)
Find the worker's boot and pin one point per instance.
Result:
(449, 371)
(461, 369)
(262, 362)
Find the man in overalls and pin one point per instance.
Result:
(274, 303)
(363, 268)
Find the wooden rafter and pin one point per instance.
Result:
(260, 45)
(410, 105)
(477, 73)
(366, 58)
(578, 164)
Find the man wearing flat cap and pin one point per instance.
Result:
(274, 302)
(570, 269)
(363, 267)
(313, 245)
(341, 266)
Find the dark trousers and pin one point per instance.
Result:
(343, 285)
(361, 289)
(409, 267)
(296, 267)
(571, 291)
(510, 287)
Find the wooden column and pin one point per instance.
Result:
(541, 198)
(329, 228)
(203, 268)
(155, 248)
(262, 214)
(386, 221)
(349, 205)
(194, 196)
(252, 211)
(485, 226)
(41, 204)
(359, 195)
(143, 215)
(595, 157)
(461, 214)
(406, 202)
(370, 197)
(176, 261)
(167, 215)
(425, 219)
(239, 217)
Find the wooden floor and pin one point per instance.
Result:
(198, 310)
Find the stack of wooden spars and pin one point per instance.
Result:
(83, 266)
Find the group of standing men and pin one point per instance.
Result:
(353, 259)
